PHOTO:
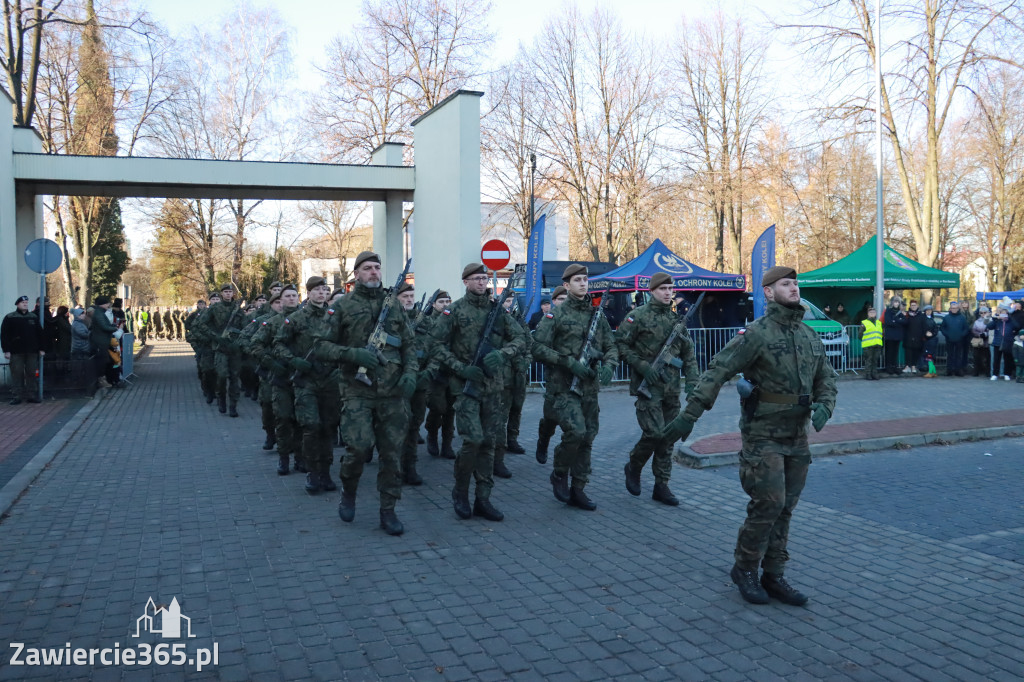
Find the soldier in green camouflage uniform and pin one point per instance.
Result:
(440, 399)
(792, 382)
(257, 345)
(204, 351)
(641, 337)
(477, 416)
(190, 322)
(548, 420)
(287, 432)
(559, 345)
(219, 327)
(511, 373)
(247, 375)
(316, 383)
(517, 392)
(419, 325)
(376, 414)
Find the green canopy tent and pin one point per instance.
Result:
(851, 280)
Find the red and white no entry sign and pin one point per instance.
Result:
(495, 254)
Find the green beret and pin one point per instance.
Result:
(228, 287)
(314, 282)
(442, 294)
(365, 256)
(289, 287)
(573, 270)
(659, 279)
(404, 287)
(559, 291)
(275, 285)
(473, 269)
(775, 274)
(274, 298)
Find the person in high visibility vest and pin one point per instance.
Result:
(871, 343)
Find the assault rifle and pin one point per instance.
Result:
(484, 346)
(379, 337)
(427, 309)
(588, 354)
(664, 356)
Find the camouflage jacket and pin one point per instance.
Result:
(421, 326)
(261, 344)
(353, 319)
(641, 337)
(560, 341)
(779, 354)
(295, 337)
(220, 321)
(457, 332)
(190, 322)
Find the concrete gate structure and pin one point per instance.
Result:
(444, 187)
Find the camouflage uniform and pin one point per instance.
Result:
(168, 324)
(219, 328)
(456, 336)
(247, 374)
(257, 340)
(513, 375)
(287, 432)
(426, 369)
(517, 389)
(548, 419)
(179, 324)
(204, 356)
(785, 358)
(557, 344)
(641, 337)
(377, 414)
(190, 323)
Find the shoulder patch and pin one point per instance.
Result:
(742, 331)
(287, 321)
(264, 323)
(446, 312)
(629, 319)
(330, 311)
(549, 315)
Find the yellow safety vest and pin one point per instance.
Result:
(872, 334)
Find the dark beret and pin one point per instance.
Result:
(275, 285)
(314, 282)
(20, 299)
(274, 298)
(545, 299)
(102, 300)
(573, 270)
(775, 274)
(214, 294)
(365, 256)
(228, 287)
(559, 291)
(339, 290)
(442, 294)
(405, 286)
(473, 269)
(659, 279)
(289, 287)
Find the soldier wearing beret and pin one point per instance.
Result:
(787, 381)
(22, 339)
(559, 345)
(418, 325)
(548, 422)
(316, 384)
(257, 344)
(204, 350)
(641, 337)
(377, 388)
(477, 404)
(287, 432)
(440, 399)
(219, 328)
(190, 322)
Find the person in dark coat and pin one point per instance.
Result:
(100, 334)
(1002, 343)
(63, 328)
(81, 346)
(913, 338)
(545, 308)
(21, 339)
(955, 328)
(892, 334)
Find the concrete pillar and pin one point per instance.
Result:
(11, 262)
(447, 195)
(28, 213)
(387, 217)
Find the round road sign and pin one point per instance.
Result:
(495, 254)
(43, 256)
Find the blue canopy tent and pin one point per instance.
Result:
(636, 274)
(998, 295)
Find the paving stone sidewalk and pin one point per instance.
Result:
(160, 496)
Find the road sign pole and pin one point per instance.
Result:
(42, 318)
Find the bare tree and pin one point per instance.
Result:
(338, 221)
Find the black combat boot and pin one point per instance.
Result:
(270, 442)
(542, 449)
(446, 448)
(419, 438)
(664, 495)
(512, 445)
(432, 448)
(312, 482)
(347, 506)
(390, 523)
(633, 480)
(776, 586)
(222, 404)
(369, 456)
(750, 588)
(560, 486)
(282, 465)
(460, 500)
(410, 476)
(501, 471)
(210, 397)
(233, 410)
(300, 466)
(325, 481)
(483, 507)
(579, 499)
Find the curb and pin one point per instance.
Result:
(687, 457)
(20, 482)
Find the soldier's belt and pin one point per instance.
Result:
(803, 399)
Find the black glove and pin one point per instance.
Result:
(360, 357)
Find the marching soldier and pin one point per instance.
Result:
(249, 379)
(287, 432)
(168, 324)
(190, 323)
(512, 373)
(642, 337)
(257, 344)
(440, 399)
(378, 386)
(220, 327)
(548, 420)
(477, 402)
(204, 352)
(316, 386)
(787, 381)
(158, 324)
(419, 323)
(560, 345)
(517, 392)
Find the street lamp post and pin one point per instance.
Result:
(533, 170)
(879, 227)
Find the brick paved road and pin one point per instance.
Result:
(160, 496)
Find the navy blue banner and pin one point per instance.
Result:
(535, 267)
(762, 259)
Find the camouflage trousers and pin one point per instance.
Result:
(286, 429)
(441, 414)
(773, 474)
(207, 370)
(548, 420)
(228, 367)
(478, 422)
(417, 411)
(247, 375)
(500, 436)
(517, 396)
(578, 419)
(652, 415)
(316, 411)
(871, 354)
(266, 400)
(367, 422)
